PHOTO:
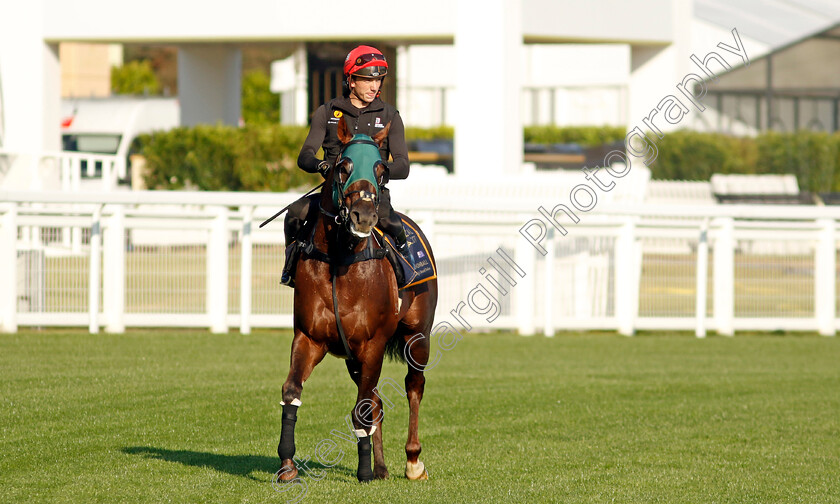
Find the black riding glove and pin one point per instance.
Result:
(324, 168)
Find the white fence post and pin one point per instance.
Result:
(626, 278)
(825, 276)
(8, 260)
(76, 187)
(525, 257)
(246, 258)
(114, 268)
(95, 269)
(217, 272)
(724, 277)
(548, 278)
(702, 279)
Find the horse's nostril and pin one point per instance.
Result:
(357, 217)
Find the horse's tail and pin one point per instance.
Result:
(395, 347)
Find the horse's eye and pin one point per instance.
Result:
(345, 167)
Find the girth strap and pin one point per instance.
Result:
(365, 255)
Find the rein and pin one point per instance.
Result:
(341, 220)
(369, 253)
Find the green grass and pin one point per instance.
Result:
(185, 416)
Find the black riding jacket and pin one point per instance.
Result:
(369, 121)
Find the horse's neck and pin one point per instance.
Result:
(328, 238)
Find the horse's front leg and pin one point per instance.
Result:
(367, 415)
(380, 470)
(305, 355)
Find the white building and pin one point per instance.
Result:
(485, 68)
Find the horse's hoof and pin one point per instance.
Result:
(287, 472)
(416, 472)
(364, 475)
(380, 473)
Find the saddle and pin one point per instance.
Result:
(424, 269)
(406, 276)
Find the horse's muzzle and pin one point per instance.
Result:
(362, 219)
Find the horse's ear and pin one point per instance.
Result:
(344, 131)
(382, 135)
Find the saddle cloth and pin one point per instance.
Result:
(419, 247)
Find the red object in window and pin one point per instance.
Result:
(66, 122)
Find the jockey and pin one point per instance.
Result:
(365, 69)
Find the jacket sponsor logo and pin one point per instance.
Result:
(337, 114)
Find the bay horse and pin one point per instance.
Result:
(342, 272)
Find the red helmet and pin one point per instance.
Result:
(365, 61)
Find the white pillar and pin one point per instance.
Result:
(655, 70)
(30, 80)
(95, 270)
(488, 52)
(209, 84)
(825, 278)
(724, 277)
(217, 273)
(702, 280)
(8, 261)
(114, 268)
(301, 94)
(246, 258)
(289, 79)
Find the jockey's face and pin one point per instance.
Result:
(364, 89)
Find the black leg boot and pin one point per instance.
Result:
(364, 473)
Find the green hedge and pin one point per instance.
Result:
(586, 136)
(437, 133)
(814, 157)
(687, 155)
(224, 158)
(583, 135)
(264, 157)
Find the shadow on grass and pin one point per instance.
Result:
(237, 465)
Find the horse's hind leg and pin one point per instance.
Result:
(417, 355)
(380, 470)
(305, 355)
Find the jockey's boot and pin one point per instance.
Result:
(292, 254)
(291, 231)
(402, 247)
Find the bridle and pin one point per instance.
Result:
(339, 189)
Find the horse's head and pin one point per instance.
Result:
(358, 172)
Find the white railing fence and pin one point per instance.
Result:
(180, 259)
(65, 171)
